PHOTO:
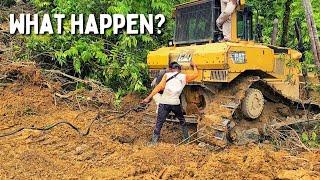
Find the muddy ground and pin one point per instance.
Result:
(118, 148)
(115, 148)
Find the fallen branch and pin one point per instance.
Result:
(290, 121)
(69, 76)
(302, 145)
(284, 135)
(66, 96)
(91, 82)
(4, 84)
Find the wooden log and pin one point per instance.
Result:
(312, 31)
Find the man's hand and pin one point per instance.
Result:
(146, 100)
(193, 65)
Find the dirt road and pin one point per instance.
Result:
(118, 149)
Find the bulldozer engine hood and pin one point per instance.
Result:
(223, 62)
(207, 56)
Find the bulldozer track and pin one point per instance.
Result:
(218, 117)
(224, 122)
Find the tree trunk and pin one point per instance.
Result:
(312, 31)
(285, 23)
(274, 32)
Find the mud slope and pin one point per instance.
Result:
(118, 149)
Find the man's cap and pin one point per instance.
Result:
(174, 65)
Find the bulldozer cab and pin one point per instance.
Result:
(196, 22)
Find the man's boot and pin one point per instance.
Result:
(154, 139)
(185, 134)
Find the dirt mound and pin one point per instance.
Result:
(115, 149)
(23, 72)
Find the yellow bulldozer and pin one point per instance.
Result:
(237, 78)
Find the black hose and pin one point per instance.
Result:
(64, 122)
(42, 129)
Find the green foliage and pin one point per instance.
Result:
(118, 61)
(268, 10)
(312, 138)
(7, 3)
(42, 4)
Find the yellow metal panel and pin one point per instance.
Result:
(234, 36)
(279, 66)
(208, 56)
(242, 2)
(290, 89)
(289, 76)
(232, 76)
(215, 75)
(200, 77)
(282, 70)
(207, 76)
(257, 57)
(158, 59)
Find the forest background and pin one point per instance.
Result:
(119, 61)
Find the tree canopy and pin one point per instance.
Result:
(119, 61)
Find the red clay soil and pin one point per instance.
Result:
(118, 149)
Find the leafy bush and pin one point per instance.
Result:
(7, 3)
(118, 61)
(312, 139)
(268, 10)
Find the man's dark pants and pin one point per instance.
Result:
(163, 112)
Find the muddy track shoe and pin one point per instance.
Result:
(231, 116)
(218, 121)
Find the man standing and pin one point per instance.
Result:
(224, 20)
(154, 83)
(172, 85)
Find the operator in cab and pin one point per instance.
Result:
(172, 85)
(224, 20)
